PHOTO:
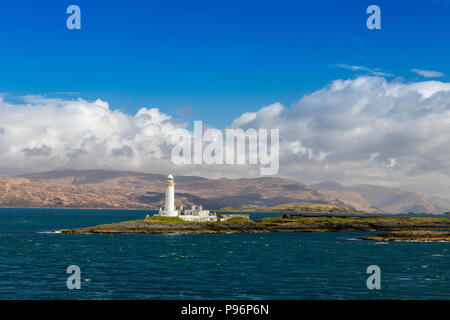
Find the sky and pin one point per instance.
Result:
(352, 104)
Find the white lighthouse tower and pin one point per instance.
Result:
(169, 209)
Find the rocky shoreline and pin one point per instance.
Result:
(285, 223)
(419, 235)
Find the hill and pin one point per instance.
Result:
(127, 189)
(382, 199)
(114, 189)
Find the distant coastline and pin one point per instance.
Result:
(127, 190)
(255, 210)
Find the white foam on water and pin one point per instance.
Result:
(57, 231)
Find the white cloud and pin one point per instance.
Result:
(45, 133)
(428, 73)
(371, 131)
(364, 130)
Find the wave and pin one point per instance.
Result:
(52, 232)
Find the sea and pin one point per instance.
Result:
(320, 265)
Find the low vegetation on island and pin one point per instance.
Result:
(285, 223)
(159, 219)
(295, 207)
(413, 235)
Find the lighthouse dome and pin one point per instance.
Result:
(170, 177)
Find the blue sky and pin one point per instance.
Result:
(225, 61)
(221, 58)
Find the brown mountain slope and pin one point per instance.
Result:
(383, 199)
(351, 199)
(113, 189)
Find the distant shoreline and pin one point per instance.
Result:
(65, 208)
(247, 211)
(127, 190)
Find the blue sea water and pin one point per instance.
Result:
(326, 265)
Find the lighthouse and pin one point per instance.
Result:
(169, 208)
(196, 214)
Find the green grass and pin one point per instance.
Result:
(157, 219)
(165, 220)
(295, 207)
(237, 220)
(325, 220)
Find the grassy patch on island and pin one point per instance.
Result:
(295, 207)
(342, 219)
(157, 219)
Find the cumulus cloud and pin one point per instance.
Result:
(428, 73)
(125, 151)
(366, 130)
(41, 134)
(363, 130)
(35, 152)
